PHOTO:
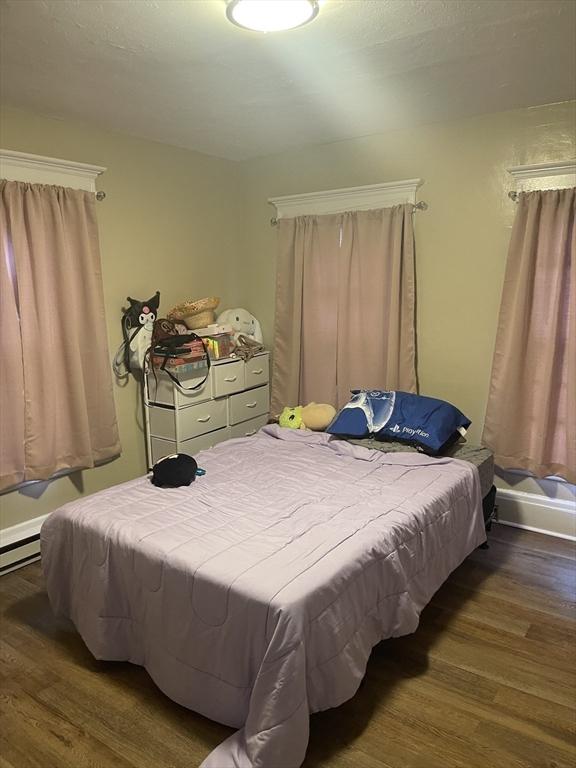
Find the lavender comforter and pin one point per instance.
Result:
(255, 595)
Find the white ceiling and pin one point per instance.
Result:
(178, 72)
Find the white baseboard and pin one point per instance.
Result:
(19, 564)
(552, 517)
(20, 543)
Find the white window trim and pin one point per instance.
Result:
(37, 169)
(347, 199)
(559, 175)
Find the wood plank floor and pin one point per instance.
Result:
(487, 681)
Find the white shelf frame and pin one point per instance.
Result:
(39, 169)
(369, 197)
(557, 175)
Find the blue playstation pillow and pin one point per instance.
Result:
(431, 424)
(354, 420)
(427, 422)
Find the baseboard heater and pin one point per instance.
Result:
(20, 544)
(533, 512)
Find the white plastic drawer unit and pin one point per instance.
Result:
(256, 371)
(227, 378)
(247, 405)
(188, 422)
(233, 402)
(162, 390)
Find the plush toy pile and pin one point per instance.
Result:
(315, 416)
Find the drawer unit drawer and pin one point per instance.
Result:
(248, 428)
(201, 418)
(248, 405)
(161, 448)
(192, 421)
(163, 391)
(256, 371)
(227, 378)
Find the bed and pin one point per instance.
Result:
(482, 458)
(255, 595)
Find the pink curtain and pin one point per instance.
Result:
(11, 373)
(531, 415)
(376, 302)
(345, 303)
(57, 404)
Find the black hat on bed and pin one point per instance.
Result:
(175, 470)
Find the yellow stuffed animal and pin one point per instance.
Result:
(314, 416)
(317, 416)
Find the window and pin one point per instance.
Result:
(57, 408)
(530, 419)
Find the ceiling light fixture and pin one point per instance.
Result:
(271, 15)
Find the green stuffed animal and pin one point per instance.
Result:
(292, 418)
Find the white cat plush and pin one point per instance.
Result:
(242, 322)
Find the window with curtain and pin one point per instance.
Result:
(57, 408)
(531, 414)
(345, 306)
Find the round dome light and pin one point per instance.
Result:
(271, 15)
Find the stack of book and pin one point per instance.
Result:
(188, 358)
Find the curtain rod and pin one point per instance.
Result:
(421, 206)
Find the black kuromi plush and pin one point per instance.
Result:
(174, 471)
(137, 325)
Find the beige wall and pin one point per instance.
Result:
(461, 240)
(170, 221)
(192, 225)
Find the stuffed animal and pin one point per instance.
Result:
(315, 416)
(242, 322)
(292, 418)
(137, 324)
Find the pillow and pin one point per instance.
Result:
(355, 419)
(367, 411)
(427, 422)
